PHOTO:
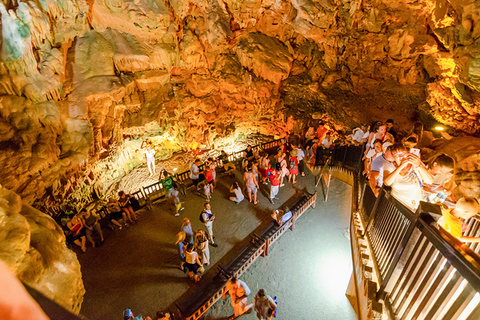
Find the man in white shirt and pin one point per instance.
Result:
(301, 164)
(239, 292)
(327, 142)
(208, 218)
(195, 173)
(383, 166)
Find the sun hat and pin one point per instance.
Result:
(180, 237)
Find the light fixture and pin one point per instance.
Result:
(439, 128)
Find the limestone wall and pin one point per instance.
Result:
(33, 247)
(71, 92)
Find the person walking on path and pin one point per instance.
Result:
(187, 228)
(192, 262)
(208, 218)
(264, 305)
(182, 244)
(177, 202)
(251, 184)
(293, 168)
(300, 157)
(201, 245)
(239, 291)
(283, 168)
(166, 179)
(275, 185)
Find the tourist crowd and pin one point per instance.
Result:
(390, 159)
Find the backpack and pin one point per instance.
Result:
(292, 164)
(271, 312)
(201, 217)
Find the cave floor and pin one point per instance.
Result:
(307, 269)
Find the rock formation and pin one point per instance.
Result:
(33, 247)
(83, 83)
(206, 70)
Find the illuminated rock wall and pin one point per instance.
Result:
(81, 78)
(33, 247)
(201, 71)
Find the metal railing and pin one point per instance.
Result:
(423, 272)
(439, 279)
(259, 246)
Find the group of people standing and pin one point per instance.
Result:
(264, 305)
(194, 247)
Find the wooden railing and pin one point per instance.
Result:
(259, 246)
(423, 272)
(147, 195)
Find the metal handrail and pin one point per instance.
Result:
(392, 229)
(247, 256)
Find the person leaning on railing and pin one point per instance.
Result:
(382, 166)
(452, 219)
(408, 179)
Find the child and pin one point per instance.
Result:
(207, 191)
(210, 176)
(275, 183)
(452, 219)
(177, 202)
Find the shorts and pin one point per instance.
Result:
(150, 159)
(177, 207)
(251, 188)
(209, 230)
(116, 216)
(210, 182)
(193, 267)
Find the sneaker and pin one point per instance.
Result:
(277, 198)
(182, 208)
(177, 214)
(214, 245)
(271, 201)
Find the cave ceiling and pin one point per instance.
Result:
(80, 77)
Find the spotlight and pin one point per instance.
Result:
(439, 128)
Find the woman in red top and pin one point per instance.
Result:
(77, 232)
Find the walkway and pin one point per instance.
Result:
(138, 267)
